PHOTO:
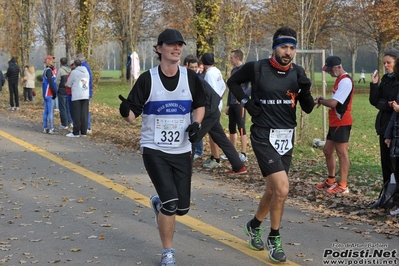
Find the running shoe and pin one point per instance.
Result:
(212, 164)
(325, 185)
(155, 203)
(223, 157)
(243, 158)
(394, 210)
(276, 252)
(242, 170)
(51, 131)
(255, 237)
(207, 161)
(168, 258)
(337, 189)
(71, 135)
(196, 156)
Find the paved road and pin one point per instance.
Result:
(77, 202)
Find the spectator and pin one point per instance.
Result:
(29, 82)
(392, 142)
(340, 124)
(61, 78)
(78, 81)
(382, 94)
(191, 62)
(362, 76)
(86, 65)
(235, 110)
(69, 94)
(49, 92)
(12, 76)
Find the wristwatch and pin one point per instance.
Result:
(244, 101)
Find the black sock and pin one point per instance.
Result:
(212, 158)
(217, 160)
(331, 179)
(255, 223)
(244, 154)
(274, 232)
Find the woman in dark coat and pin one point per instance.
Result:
(392, 142)
(382, 95)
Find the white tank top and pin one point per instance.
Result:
(166, 115)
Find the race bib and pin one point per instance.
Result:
(281, 139)
(169, 131)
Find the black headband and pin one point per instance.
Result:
(284, 40)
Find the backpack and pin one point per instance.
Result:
(385, 199)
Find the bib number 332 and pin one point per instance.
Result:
(169, 132)
(281, 139)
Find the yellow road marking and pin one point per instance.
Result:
(204, 228)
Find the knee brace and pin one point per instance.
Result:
(169, 208)
(182, 212)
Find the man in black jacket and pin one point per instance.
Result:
(12, 76)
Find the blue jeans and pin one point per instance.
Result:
(48, 114)
(199, 148)
(88, 117)
(56, 103)
(65, 115)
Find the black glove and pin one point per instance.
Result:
(304, 83)
(54, 95)
(253, 107)
(193, 131)
(124, 107)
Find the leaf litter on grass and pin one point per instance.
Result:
(109, 127)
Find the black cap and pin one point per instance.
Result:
(331, 62)
(208, 59)
(170, 36)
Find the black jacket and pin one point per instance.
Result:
(13, 70)
(380, 95)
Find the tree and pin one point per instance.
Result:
(49, 22)
(206, 21)
(82, 29)
(19, 22)
(377, 22)
(126, 26)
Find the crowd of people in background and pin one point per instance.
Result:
(69, 99)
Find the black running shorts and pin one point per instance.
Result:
(171, 176)
(339, 134)
(269, 160)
